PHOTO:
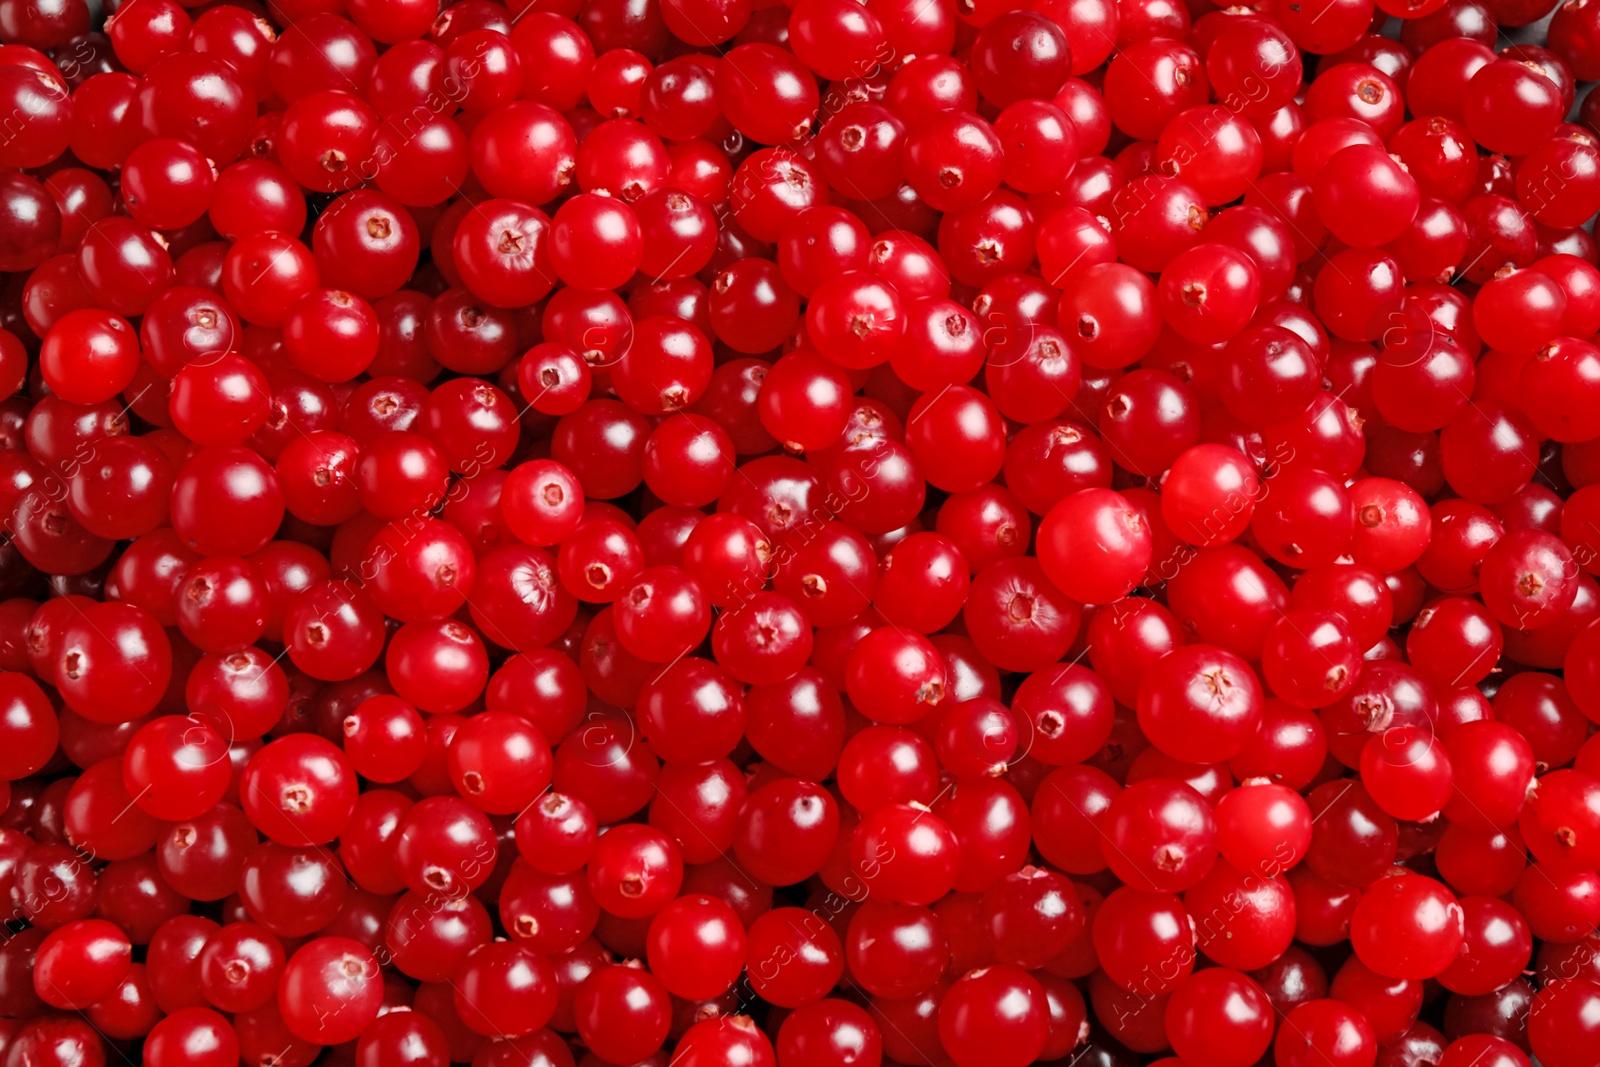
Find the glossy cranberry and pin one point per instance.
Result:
(994, 1015)
(193, 1035)
(328, 973)
(1181, 842)
(81, 963)
(177, 767)
(505, 989)
(714, 286)
(767, 95)
(1325, 1029)
(1220, 1009)
(299, 788)
(1199, 703)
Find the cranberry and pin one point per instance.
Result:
(81, 963)
(1221, 1009)
(330, 973)
(299, 788)
(994, 1015)
(848, 476)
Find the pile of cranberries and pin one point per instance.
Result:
(729, 533)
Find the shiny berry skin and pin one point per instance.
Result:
(1032, 915)
(504, 989)
(240, 966)
(331, 990)
(696, 946)
(829, 1028)
(766, 94)
(1199, 703)
(1418, 923)
(1101, 522)
(239, 476)
(1310, 658)
(1407, 772)
(81, 963)
(994, 1015)
(814, 500)
(1165, 835)
(915, 854)
(634, 873)
(1221, 1016)
(500, 762)
(1208, 293)
(1563, 1016)
(1386, 192)
(1510, 108)
(177, 767)
(1134, 930)
(1325, 1031)
(623, 1012)
(1209, 495)
(786, 831)
(1527, 579)
(953, 160)
(89, 356)
(298, 789)
(193, 1035)
(112, 663)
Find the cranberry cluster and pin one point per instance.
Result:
(953, 533)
